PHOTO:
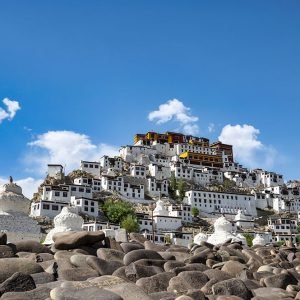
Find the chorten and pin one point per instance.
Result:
(160, 209)
(14, 210)
(67, 220)
(222, 232)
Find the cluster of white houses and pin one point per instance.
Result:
(141, 174)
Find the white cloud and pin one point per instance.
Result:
(175, 110)
(11, 108)
(247, 148)
(29, 185)
(211, 127)
(67, 148)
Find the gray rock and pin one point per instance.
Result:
(163, 296)
(83, 294)
(151, 246)
(75, 239)
(137, 237)
(18, 282)
(196, 294)
(78, 274)
(40, 293)
(280, 280)
(217, 274)
(31, 246)
(6, 251)
(43, 277)
(171, 265)
(235, 287)
(79, 260)
(271, 293)
(178, 285)
(233, 267)
(127, 247)
(102, 266)
(9, 266)
(129, 291)
(110, 254)
(207, 288)
(140, 271)
(135, 255)
(196, 279)
(155, 283)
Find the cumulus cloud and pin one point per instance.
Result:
(175, 110)
(67, 148)
(10, 111)
(248, 149)
(211, 127)
(29, 185)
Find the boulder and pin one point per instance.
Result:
(31, 246)
(110, 254)
(102, 266)
(135, 255)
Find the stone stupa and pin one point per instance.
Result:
(223, 232)
(14, 210)
(66, 220)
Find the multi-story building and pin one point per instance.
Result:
(91, 167)
(283, 228)
(218, 202)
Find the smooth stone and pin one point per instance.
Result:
(135, 255)
(280, 280)
(217, 274)
(18, 282)
(225, 297)
(75, 239)
(266, 268)
(137, 237)
(271, 293)
(9, 266)
(98, 282)
(40, 257)
(121, 273)
(150, 262)
(171, 265)
(6, 251)
(83, 294)
(31, 246)
(207, 288)
(167, 255)
(127, 247)
(163, 296)
(155, 283)
(196, 279)
(129, 291)
(151, 246)
(102, 266)
(178, 285)
(43, 277)
(190, 267)
(233, 267)
(235, 287)
(140, 271)
(196, 294)
(78, 274)
(79, 260)
(184, 297)
(40, 293)
(110, 254)
(180, 256)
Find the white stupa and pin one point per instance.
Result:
(160, 209)
(14, 210)
(258, 240)
(66, 220)
(200, 237)
(222, 232)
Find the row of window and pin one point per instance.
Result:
(91, 166)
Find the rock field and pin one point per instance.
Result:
(87, 265)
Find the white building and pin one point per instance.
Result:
(55, 171)
(156, 187)
(216, 202)
(283, 228)
(138, 171)
(115, 163)
(91, 167)
(159, 171)
(86, 206)
(182, 211)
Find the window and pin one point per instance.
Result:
(47, 189)
(88, 190)
(86, 208)
(92, 203)
(96, 166)
(86, 202)
(81, 189)
(57, 194)
(86, 165)
(73, 189)
(65, 194)
(46, 206)
(92, 209)
(54, 207)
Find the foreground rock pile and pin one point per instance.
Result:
(88, 265)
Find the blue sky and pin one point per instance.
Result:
(90, 73)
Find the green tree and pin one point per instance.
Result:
(117, 210)
(130, 223)
(195, 211)
(298, 228)
(172, 186)
(249, 239)
(181, 189)
(298, 238)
